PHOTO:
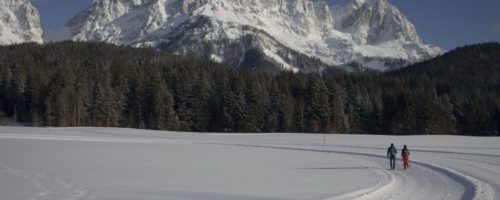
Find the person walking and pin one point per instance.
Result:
(391, 154)
(405, 153)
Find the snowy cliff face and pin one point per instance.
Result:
(297, 35)
(373, 22)
(19, 22)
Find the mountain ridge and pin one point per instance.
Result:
(368, 33)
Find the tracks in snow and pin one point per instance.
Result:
(49, 187)
(419, 182)
(418, 179)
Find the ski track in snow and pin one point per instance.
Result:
(49, 187)
(407, 184)
(485, 166)
(393, 184)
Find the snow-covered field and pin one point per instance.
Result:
(110, 163)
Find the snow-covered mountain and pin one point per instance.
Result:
(19, 22)
(298, 35)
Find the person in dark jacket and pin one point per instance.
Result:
(391, 154)
(405, 153)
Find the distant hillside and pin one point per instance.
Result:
(471, 66)
(99, 84)
(469, 79)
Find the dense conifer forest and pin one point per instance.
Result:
(98, 84)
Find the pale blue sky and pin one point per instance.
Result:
(445, 23)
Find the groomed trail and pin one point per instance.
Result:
(422, 181)
(352, 167)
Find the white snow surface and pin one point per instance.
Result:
(115, 163)
(336, 35)
(19, 22)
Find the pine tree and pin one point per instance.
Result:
(201, 114)
(162, 114)
(317, 108)
(337, 98)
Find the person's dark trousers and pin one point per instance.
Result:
(393, 162)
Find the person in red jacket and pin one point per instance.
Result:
(405, 153)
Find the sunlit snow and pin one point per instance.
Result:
(114, 163)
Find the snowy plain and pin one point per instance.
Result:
(115, 163)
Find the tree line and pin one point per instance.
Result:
(99, 84)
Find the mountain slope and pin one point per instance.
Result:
(19, 22)
(471, 66)
(292, 35)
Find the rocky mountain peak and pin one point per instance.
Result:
(375, 21)
(19, 22)
(292, 34)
